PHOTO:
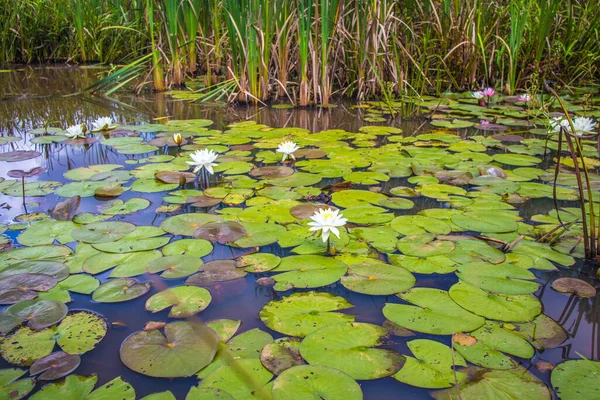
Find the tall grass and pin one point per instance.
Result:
(307, 50)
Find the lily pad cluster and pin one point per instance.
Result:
(436, 205)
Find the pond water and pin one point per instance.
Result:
(32, 98)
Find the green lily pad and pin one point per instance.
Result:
(187, 224)
(511, 308)
(432, 365)
(45, 232)
(80, 283)
(424, 245)
(118, 290)
(185, 300)
(11, 388)
(483, 383)
(424, 265)
(246, 380)
(576, 379)
(492, 341)
(307, 271)
(355, 198)
(225, 328)
(184, 349)
(519, 160)
(260, 234)
(177, 266)
(302, 313)
(80, 387)
(127, 264)
(258, 262)
(190, 247)
(306, 382)
(418, 224)
(483, 221)
(221, 232)
(132, 245)
(15, 288)
(55, 269)
(26, 345)
(543, 332)
(499, 279)
(79, 332)
(351, 348)
(433, 312)
(118, 207)
(377, 278)
(102, 232)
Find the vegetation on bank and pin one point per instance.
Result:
(308, 50)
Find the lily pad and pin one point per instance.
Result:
(376, 278)
(15, 288)
(176, 266)
(80, 331)
(190, 247)
(352, 348)
(216, 271)
(102, 232)
(246, 380)
(118, 290)
(499, 279)
(40, 314)
(577, 379)
(307, 271)
(80, 387)
(433, 312)
(574, 286)
(257, 263)
(502, 307)
(432, 365)
(418, 224)
(302, 313)
(282, 354)
(55, 366)
(10, 387)
(187, 224)
(307, 382)
(221, 232)
(185, 300)
(181, 351)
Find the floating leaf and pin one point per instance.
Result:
(307, 272)
(118, 290)
(176, 266)
(351, 348)
(40, 314)
(307, 382)
(577, 379)
(281, 355)
(10, 387)
(80, 332)
(377, 278)
(184, 349)
(221, 232)
(216, 271)
(185, 300)
(432, 365)
(103, 232)
(55, 366)
(302, 313)
(574, 286)
(433, 312)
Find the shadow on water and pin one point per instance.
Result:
(32, 97)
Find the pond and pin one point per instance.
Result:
(433, 246)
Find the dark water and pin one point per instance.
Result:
(31, 97)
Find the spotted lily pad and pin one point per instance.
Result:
(302, 313)
(306, 382)
(216, 271)
(185, 300)
(187, 224)
(10, 387)
(282, 354)
(258, 262)
(351, 347)
(576, 379)
(221, 232)
(80, 387)
(500, 279)
(432, 365)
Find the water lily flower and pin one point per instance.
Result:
(489, 92)
(203, 159)
(287, 148)
(526, 98)
(177, 139)
(584, 126)
(485, 122)
(102, 124)
(477, 95)
(559, 122)
(327, 221)
(76, 131)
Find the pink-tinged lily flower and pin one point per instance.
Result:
(525, 98)
(489, 92)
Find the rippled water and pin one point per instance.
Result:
(33, 96)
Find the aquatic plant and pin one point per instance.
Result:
(288, 149)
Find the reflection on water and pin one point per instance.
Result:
(33, 98)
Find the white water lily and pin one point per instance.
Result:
(559, 122)
(287, 148)
(584, 126)
(203, 159)
(525, 98)
(477, 95)
(102, 124)
(327, 221)
(75, 131)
